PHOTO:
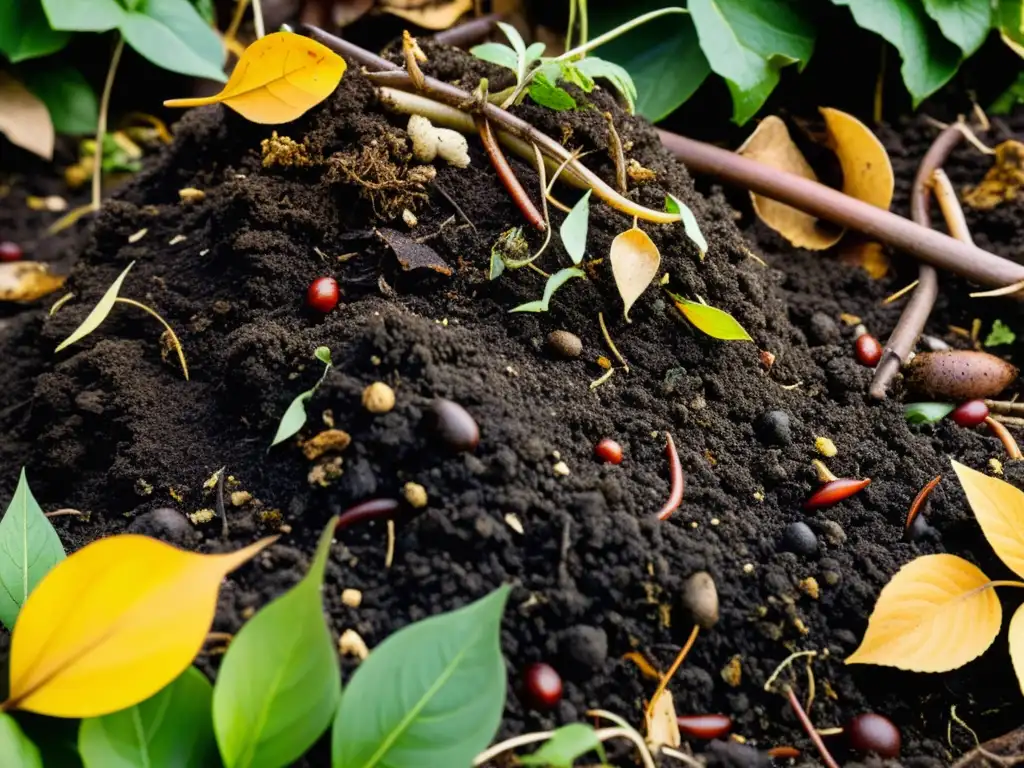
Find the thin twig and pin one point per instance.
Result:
(221, 509)
(901, 292)
(471, 31)
(507, 176)
(682, 757)
(63, 512)
(170, 331)
(1013, 421)
(610, 343)
(949, 204)
(918, 503)
(236, 20)
(101, 124)
(1006, 407)
(1000, 431)
(451, 201)
(615, 150)
(663, 683)
(814, 736)
(915, 314)
(389, 556)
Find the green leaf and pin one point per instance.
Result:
(84, 15)
(323, 354)
(549, 95)
(25, 32)
(206, 9)
(553, 284)
(1000, 334)
(1009, 98)
(518, 45)
(572, 74)
(964, 22)
(674, 205)
(566, 745)
(295, 416)
(29, 548)
(69, 98)
(497, 265)
(16, 750)
(574, 228)
(496, 53)
(172, 35)
(99, 312)
(170, 729)
(747, 42)
(1009, 19)
(664, 59)
(430, 694)
(533, 53)
(716, 323)
(279, 683)
(55, 737)
(929, 60)
(926, 413)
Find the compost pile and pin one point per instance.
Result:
(111, 427)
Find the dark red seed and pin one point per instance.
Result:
(835, 491)
(10, 251)
(323, 294)
(867, 350)
(970, 414)
(454, 425)
(542, 686)
(608, 450)
(704, 726)
(782, 753)
(873, 733)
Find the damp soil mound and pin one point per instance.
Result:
(110, 426)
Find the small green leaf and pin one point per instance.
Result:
(68, 97)
(430, 694)
(518, 45)
(29, 548)
(553, 284)
(323, 354)
(172, 35)
(572, 74)
(566, 745)
(674, 205)
(25, 32)
(926, 413)
(496, 53)
(592, 68)
(964, 22)
(207, 10)
(1000, 334)
(497, 265)
(1010, 98)
(279, 683)
(533, 53)
(171, 728)
(16, 750)
(99, 312)
(549, 95)
(295, 416)
(716, 323)
(84, 15)
(574, 229)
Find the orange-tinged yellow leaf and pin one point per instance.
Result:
(439, 14)
(938, 613)
(999, 508)
(113, 624)
(867, 171)
(635, 260)
(278, 79)
(27, 281)
(1016, 638)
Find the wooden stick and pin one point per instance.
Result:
(507, 175)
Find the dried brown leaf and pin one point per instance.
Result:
(429, 14)
(635, 260)
(27, 281)
(1003, 180)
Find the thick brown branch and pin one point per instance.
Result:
(470, 32)
(507, 175)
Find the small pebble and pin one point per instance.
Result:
(873, 733)
(833, 533)
(454, 426)
(353, 598)
(824, 329)
(163, 523)
(800, 539)
(565, 344)
(352, 644)
(561, 469)
(415, 494)
(700, 598)
(774, 427)
(378, 398)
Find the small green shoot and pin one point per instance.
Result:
(674, 205)
(509, 250)
(927, 413)
(295, 417)
(565, 746)
(99, 312)
(999, 335)
(574, 228)
(716, 323)
(544, 92)
(554, 283)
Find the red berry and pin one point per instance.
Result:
(608, 450)
(867, 350)
(704, 726)
(542, 686)
(323, 294)
(970, 414)
(10, 251)
(873, 733)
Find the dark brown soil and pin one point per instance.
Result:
(110, 428)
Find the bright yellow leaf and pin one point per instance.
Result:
(999, 508)
(432, 15)
(635, 260)
(867, 170)
(278, 79)
(937, 614)
(113, 624)
(1016, 638)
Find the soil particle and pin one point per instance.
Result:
(584, 648)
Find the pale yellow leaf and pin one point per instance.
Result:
(999, 508)
(278, 79)
(99, 312)
(1016, 639)
(27, 281)
(429, 14)
(938, 613)
(24, 119)
(662, 726)
(635, 260)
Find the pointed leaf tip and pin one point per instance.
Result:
(999, 509)
(98, 314)
(635, 261)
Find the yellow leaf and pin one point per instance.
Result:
(867, 171)
(27, 281)
(24, 119)
(1002, 182)
(662, 726)
(999, 508)
(113, 624)
(429, 14)
(1016, 638)
(278, 79)
(635, 260)
(937, 614)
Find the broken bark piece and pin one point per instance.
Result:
(413, 255)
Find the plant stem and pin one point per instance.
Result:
(572, 23)
(1006, 407)
(1000, 431)
(257, 18)
(509, 744)
(507, 175)
(236, 20)
(170, 331)
(586, 46)
(814, 736)
(584, 24)
(663, 683)
(469, 32)
(101, 124)
(952, 211)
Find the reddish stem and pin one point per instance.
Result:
(805, 721)
(507, 175)
(1000, 431)
(675, 497)
(374, 509)
(918, 502)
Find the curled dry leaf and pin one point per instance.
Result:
(867, 174)
(27, 280)
(999, 508)
(1015, 636)
(24, 119)
(662, 726)
(635, 261)
(440, 14)
(279, 78)
(1003, 180)
(938, 613)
